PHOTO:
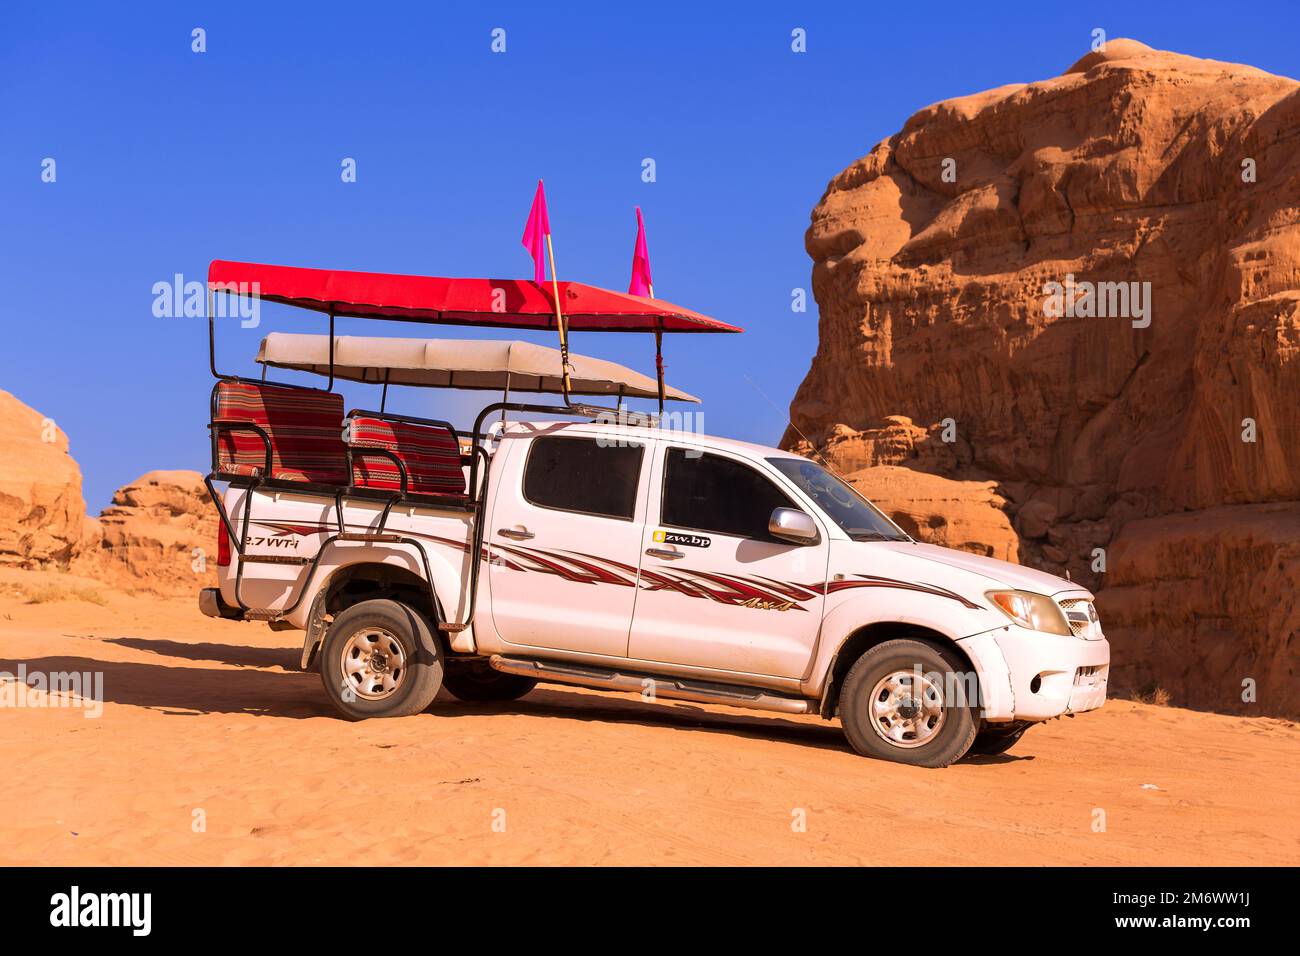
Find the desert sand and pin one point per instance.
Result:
(213, 716)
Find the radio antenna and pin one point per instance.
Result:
(814, 448)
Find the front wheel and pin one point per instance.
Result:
(380, 659)
(907, 701)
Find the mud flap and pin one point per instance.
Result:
(315, 630)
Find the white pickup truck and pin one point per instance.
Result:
(622, 557)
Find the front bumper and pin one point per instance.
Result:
(1029, 675)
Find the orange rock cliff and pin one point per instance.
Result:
(146, 540)
(1154, 453)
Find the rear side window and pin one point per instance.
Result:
(712, 493)
(583, 475)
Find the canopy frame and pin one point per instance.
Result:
(212, 350)
(651, 320)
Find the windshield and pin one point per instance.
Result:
(857, 516)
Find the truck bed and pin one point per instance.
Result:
(287, 530)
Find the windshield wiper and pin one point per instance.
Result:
(863, 535)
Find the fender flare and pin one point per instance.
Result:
(442, 579)
(898, 615)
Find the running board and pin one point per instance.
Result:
(675, 688)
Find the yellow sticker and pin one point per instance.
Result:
(659, 535)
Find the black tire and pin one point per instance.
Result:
(475, 682)
(415, 682)
(996, 739)
(952, 730)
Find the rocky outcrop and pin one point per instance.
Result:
(973, 326)
(1205, 605)
(42, 514)
(158, 534)
(967, 515)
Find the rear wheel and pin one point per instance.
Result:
(906, 701)
(476, 682)
(380, 659)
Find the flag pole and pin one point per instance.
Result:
(641, 257)
(560, 323)
(659, 366)
(659, 357)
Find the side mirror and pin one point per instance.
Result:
(793, 525)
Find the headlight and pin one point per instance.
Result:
(1034, 611)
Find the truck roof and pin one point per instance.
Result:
(632, 431)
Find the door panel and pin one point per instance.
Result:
(565, 540)
(716, 590)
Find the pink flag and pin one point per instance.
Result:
(535, 233)
(641, 283)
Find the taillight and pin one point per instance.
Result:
(223, 546)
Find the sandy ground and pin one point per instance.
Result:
(213, 749)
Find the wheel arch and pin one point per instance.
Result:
(867, 636)
(366, 580)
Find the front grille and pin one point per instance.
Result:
(1080, 615)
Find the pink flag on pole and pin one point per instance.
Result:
(642, 283)
(535, 233)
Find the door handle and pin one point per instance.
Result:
(664, 553)
(518, 534)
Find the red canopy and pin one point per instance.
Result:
(496, 303)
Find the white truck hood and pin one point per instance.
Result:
(1002, 573)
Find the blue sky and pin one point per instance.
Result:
(167, 159)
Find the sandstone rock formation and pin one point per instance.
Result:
(967, 515)
(1205, 604)
(42, 514)
(159, 534)
(957, 269)
(145, 540)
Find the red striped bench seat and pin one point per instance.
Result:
(304, 426)
(430, 453)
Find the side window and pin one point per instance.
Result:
(712, 493)
(582, 475)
